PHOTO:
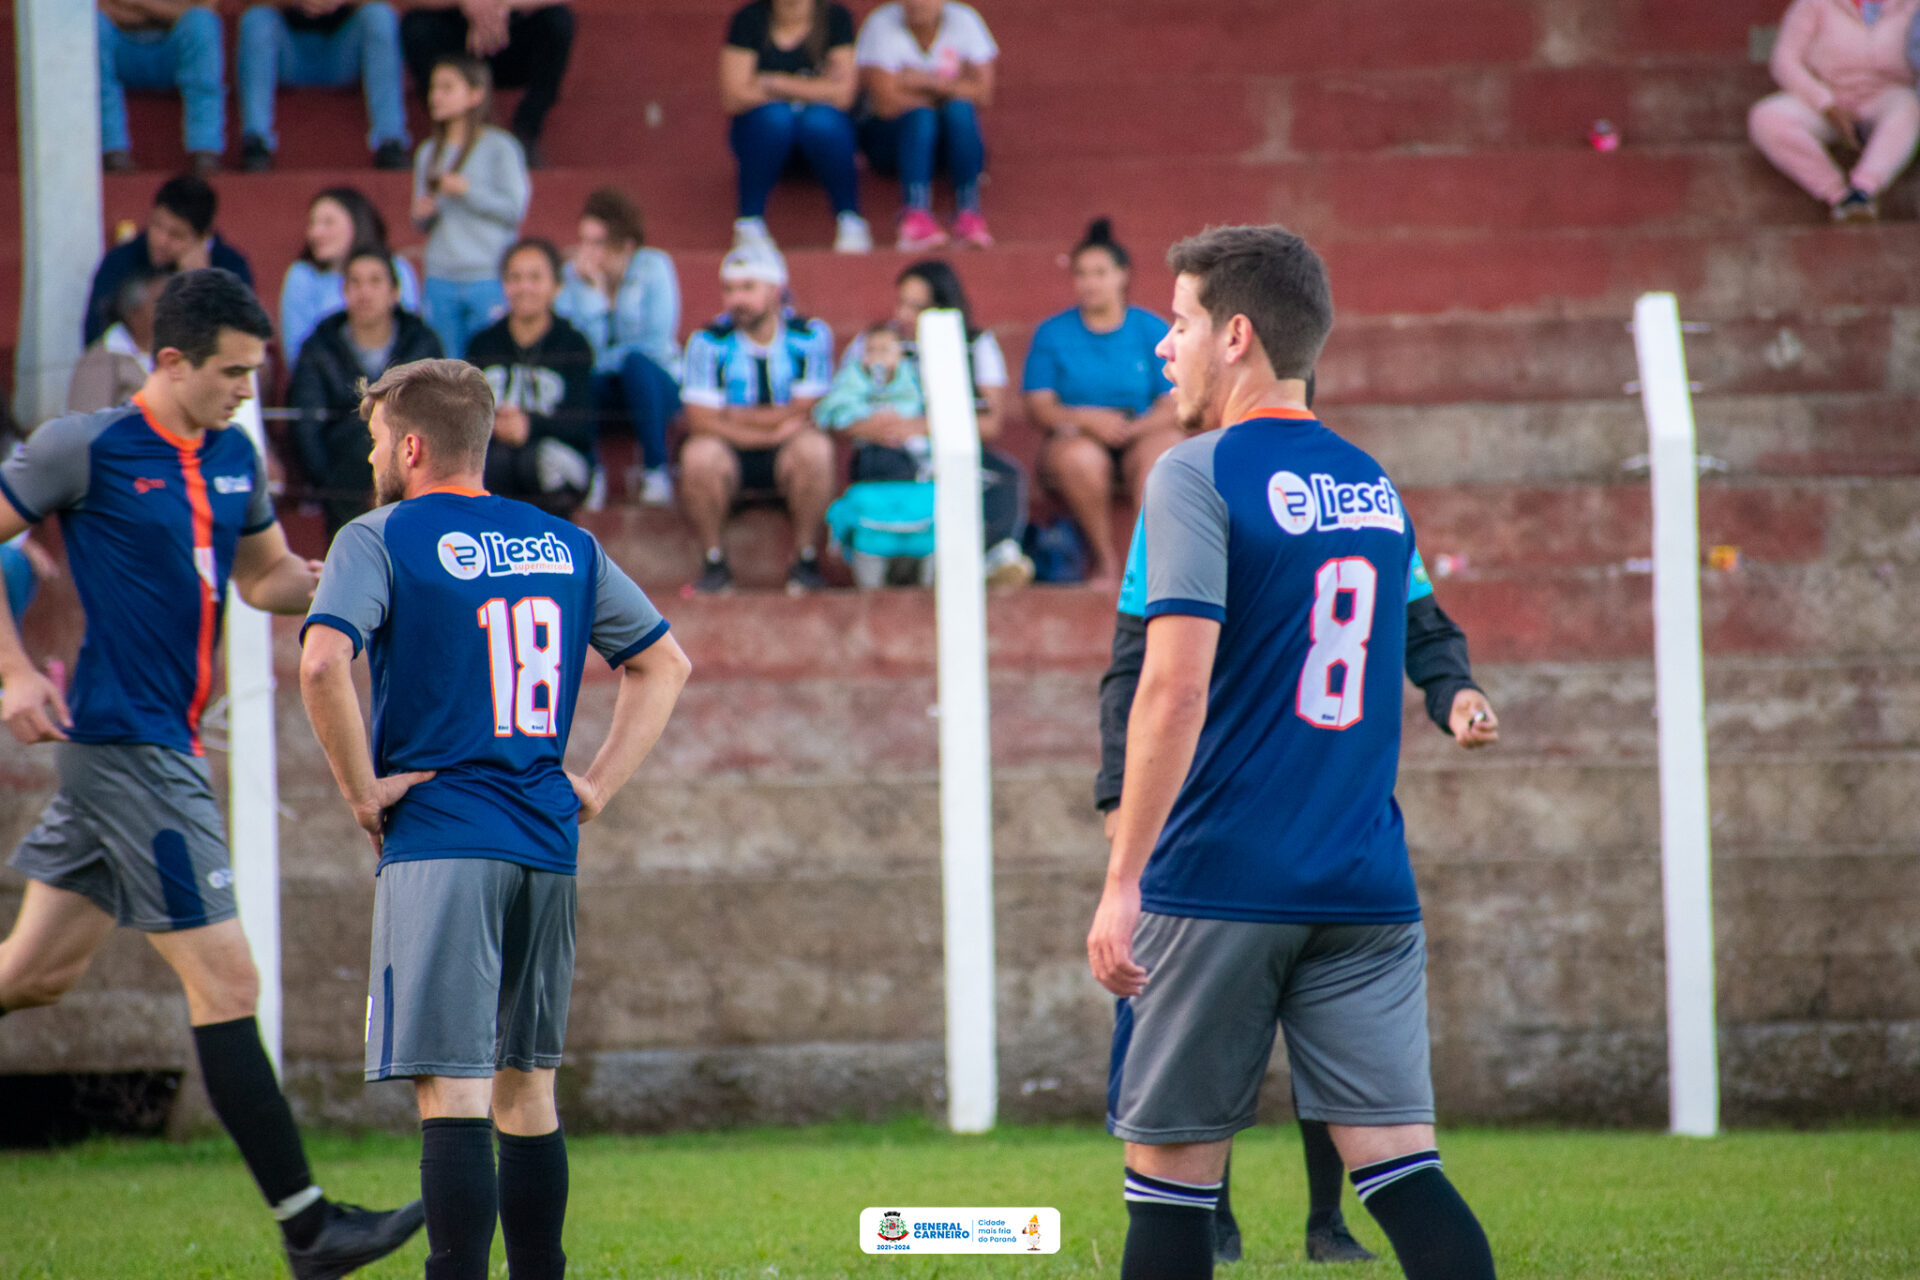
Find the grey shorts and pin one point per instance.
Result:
(472, 968)
(1189, 1054)
(135, 829)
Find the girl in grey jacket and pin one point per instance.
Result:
(470, 192)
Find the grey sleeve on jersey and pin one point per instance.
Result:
(260, 514)
(48, 472)
(356, 585)
(624, 620)
(1186, 530)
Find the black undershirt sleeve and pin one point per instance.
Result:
(1437, 658)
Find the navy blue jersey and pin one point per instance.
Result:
(477, 613)
(151, 522)
(1296, 543)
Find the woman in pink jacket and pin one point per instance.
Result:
(1843, 66)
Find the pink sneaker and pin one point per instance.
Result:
(971, 229)
(919, 231)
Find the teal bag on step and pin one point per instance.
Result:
(891, 518)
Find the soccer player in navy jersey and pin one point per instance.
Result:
(476, 613)
(1259, 874)
(161, 504)
(1437, 662)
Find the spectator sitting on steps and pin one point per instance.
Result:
(541, 371)
(311, 44)
(749, 387)
(178, 237)
(1845, 79)
(373, 334)
(1095, 386)
(117, 365)
(163, 44)
(340, 221)
(787, 78)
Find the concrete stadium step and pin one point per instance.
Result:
(1865, 434)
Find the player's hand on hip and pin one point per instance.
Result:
(591, 801)
(371, 813)
(1110, 941)
(1472, 720)
(34, 708)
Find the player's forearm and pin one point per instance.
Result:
(13, 653)
(286, 588)
(648, 692)
(326, 687)
(1162, 736)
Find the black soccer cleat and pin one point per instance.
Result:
(1336, 1244)
(352, 1238)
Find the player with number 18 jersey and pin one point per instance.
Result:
(477, 613)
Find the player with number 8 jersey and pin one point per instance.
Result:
(1296, 542)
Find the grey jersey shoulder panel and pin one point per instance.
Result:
(1186, 528)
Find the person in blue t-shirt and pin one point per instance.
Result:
(1259, 875)
(1093, 384)
(476, 613)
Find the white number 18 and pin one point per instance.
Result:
(1338, 643)
(537, 665)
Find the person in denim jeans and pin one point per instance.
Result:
(162, 44)
(625, 298)
(470, 191)
(787, 78)
(927, 66)
(323, 44)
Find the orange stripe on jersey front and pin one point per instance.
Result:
(205, 567)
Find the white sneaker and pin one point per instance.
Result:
(752, 231)
(656, 487)
(1007, 565)
(851, 234)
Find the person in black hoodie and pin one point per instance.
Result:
(372, 335)
(541, 371)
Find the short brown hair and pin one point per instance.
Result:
(612, 209)
(1270, 276)
(447, 403)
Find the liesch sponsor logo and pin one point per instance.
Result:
(233, 484)
(1323, 504)
(499, 556)
(1028, 1229)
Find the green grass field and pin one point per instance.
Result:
(1842, 1203)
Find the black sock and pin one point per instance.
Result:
(533, 1204)
(241, 1086)
(462, 1196)
(1325, 1173)
(1169, 1229)
(1434, 1233)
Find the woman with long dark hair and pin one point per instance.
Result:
(340, 220)
(787, 78)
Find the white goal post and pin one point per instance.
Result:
(1685, 838)
(966, 787)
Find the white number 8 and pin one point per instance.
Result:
(1338, 644)
(538, 666)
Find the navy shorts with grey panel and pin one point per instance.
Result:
(135, 829)
(1190, 1052)
(472, 968)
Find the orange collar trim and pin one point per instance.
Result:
(179, 442)
(1298, 415)
(457, 490)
